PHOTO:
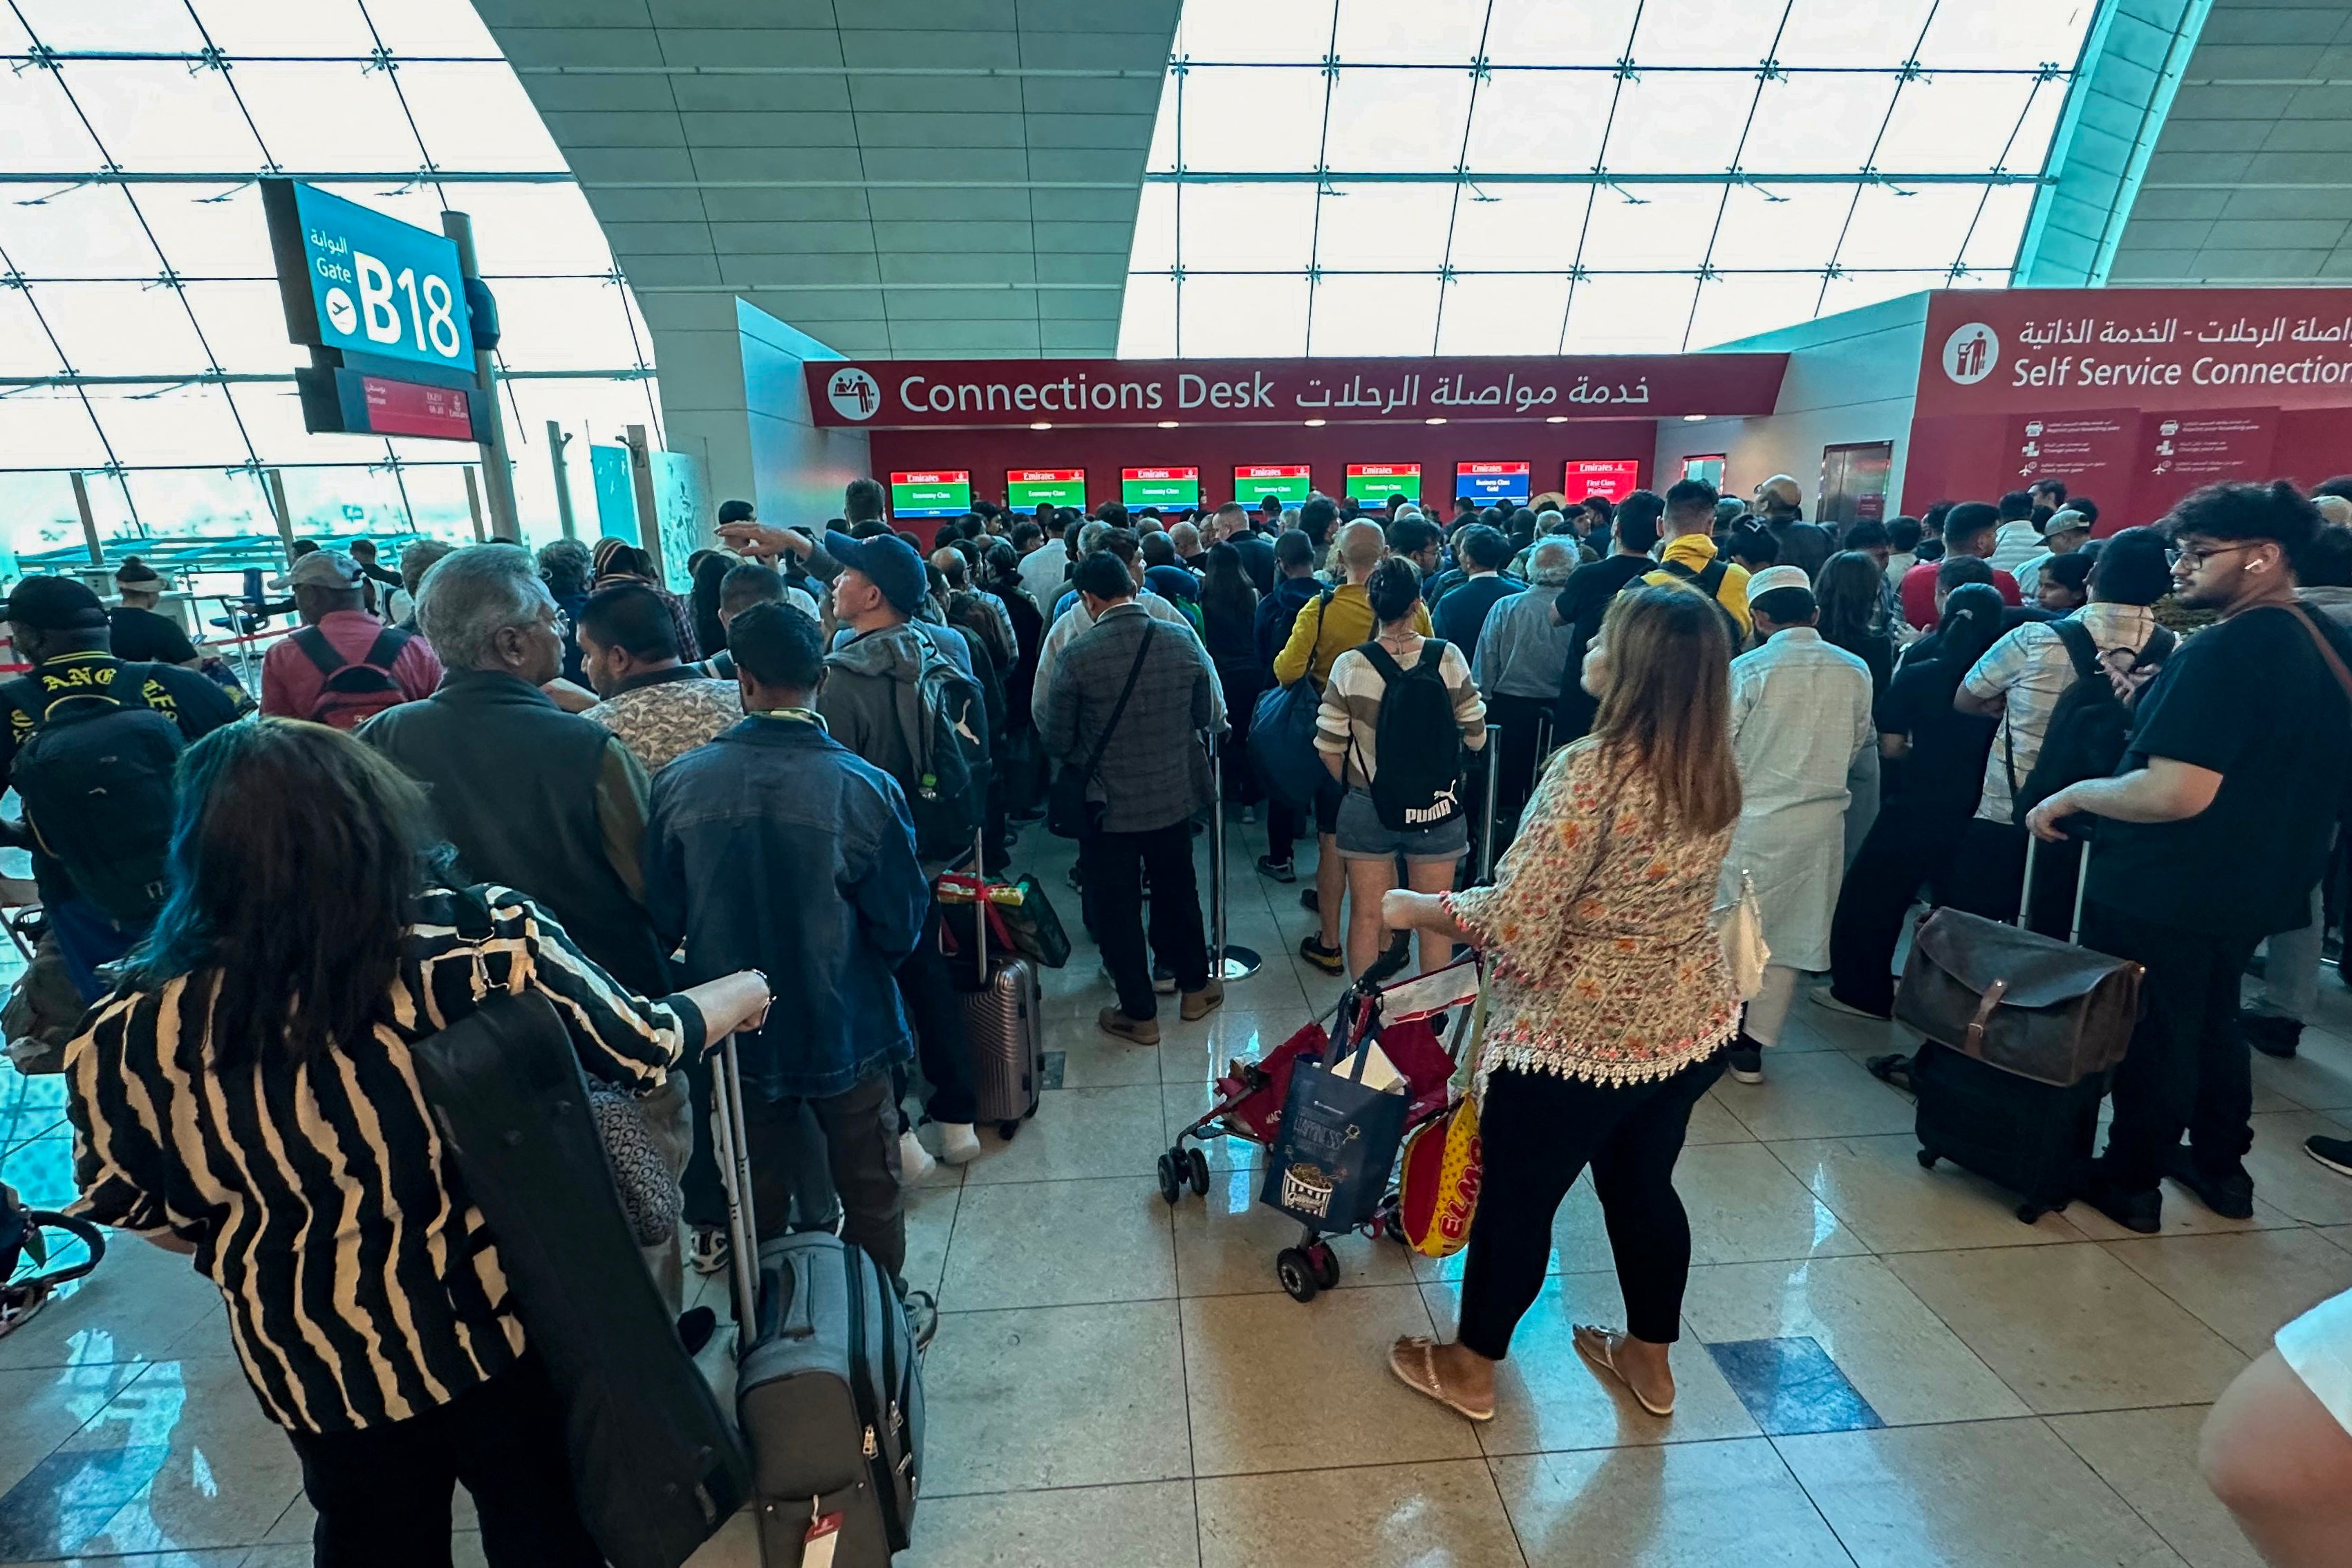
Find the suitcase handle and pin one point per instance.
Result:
(799, 1312)
(2082, 881)
(735, 1170)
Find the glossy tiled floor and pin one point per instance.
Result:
(1879, 1365)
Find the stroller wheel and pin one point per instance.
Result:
(1326, 1264)
(1297, 1276)
(1171, 1186)
(1196, 1165)
(1392, 1226)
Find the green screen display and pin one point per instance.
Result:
(1162, 487)
(1026, 489)
(1372, 484)
(1290, 483)
(946, 493)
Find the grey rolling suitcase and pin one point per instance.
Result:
(1004, 1020)
(828, 1385)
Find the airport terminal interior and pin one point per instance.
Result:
(280, 279)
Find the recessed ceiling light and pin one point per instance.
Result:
(1318, 422)
(1555, 418)
(1168, 423)
(1693, 418)
(1042, 424)
(1437, 421)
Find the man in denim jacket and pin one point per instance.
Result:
(775, 847)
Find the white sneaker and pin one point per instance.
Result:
(915, 1162)
(958, 1144)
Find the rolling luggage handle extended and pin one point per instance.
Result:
(2026, 895)
(735, 1164)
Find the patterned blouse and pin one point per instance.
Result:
(1605, 966)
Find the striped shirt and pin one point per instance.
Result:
(362, 1284)
(1349, 723)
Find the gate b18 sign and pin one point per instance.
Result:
(381, 305)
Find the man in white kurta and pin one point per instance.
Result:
(1800, 717)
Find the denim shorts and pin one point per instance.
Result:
(1364, 837)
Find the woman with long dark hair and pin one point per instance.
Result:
(245, 1096)
(1850, 590)
(1609, 1001)
(1228, 627)
(710, 568)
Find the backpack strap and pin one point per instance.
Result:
(2326, 649)
(1676, 569)
(385, 648)
(2157, 648)
(318, 649)
(2081, 649)
(1379, 658)
(1710, 579)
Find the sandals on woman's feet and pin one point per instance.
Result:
(1598, 1346)
(1413, 1358)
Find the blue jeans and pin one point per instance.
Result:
(87, 937)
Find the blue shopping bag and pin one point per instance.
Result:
(1336, 1144)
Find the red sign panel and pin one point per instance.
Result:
(1193, 474)
(1465, 471)
(2181, 452)
(2093, 451)
(1251, 472)
(1384, 471)
(1615, 477)
(2050, 349)
(934, 477)
(412, 408)
(1011, 393)
(1046, 476)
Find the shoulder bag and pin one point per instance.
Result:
(1068, 813)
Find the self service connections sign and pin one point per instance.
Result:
(355, 280)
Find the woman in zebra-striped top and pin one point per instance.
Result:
(246, 1096)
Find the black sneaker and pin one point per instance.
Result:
(1280, 870)
(2270, 1033)
(695, 1327)
(2335, 1154)
(1746, 1064)
(2230, 1193)
(1311, 901)
(1329, 959)
(2141, 1211)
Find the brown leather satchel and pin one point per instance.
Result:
(2015, 999)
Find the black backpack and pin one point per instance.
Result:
(2090, 725)
(95, 776)
(1419, 780)
(948, 796)
(1708, 580)
(352, 693)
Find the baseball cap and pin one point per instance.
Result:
(325, 569)
(887, 562)
(55, 605)
(2066, 521)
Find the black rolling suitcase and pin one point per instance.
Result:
(655, 1465)
(2023, 1032)
(828, 1385)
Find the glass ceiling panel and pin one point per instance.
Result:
(1631, 89)
(1242, 119)
(121, 303)
(1265, 317)
(1409, 32)
(1252, 30)
(1387, 120)
(1246, 228)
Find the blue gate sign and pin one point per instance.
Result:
(355, 280)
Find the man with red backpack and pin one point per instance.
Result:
(342, 667)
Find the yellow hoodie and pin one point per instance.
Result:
(1693, 552)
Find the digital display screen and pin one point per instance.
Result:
(1492, 482)
(1372, 484)
(942, 493)
(1290, 483)
(1027, 489)
(1615, 477)
(406, 408)
(1163, 488)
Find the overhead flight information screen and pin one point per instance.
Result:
(1492, 482)
(941, 493)
(1372, 484)
(1162, 488)
(1290, 483)
(1027, 489)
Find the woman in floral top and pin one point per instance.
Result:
(1609, 1000)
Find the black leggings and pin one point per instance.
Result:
(1539, 1131)
(383, 1493)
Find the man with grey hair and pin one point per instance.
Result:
(1520, 661)
(416, 559)
(532, 797)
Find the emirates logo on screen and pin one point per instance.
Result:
(1970, 353)
(852, 393)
